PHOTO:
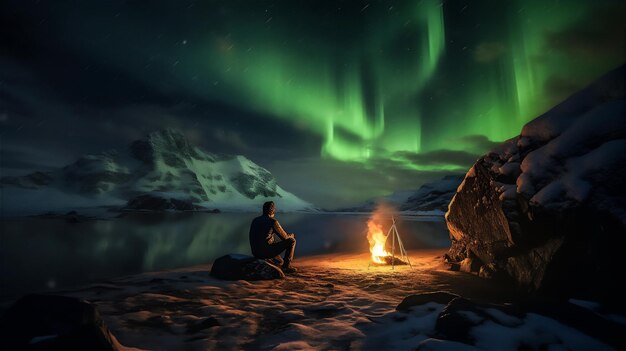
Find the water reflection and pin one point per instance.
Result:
(44, 254)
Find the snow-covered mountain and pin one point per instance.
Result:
(430, 197)
(434, 195)
(164, 165)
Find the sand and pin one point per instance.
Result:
(334, 302)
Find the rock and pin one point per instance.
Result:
(470, 265)
(50, 322)
(243, 267)
(454, 322)
(440, 297)
(487, 271)
(149, 202)
(547, 209)
(93, 174)
(69, 217)
(458, 319)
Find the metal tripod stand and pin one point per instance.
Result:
(393, 231)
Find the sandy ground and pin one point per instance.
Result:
(333, 302)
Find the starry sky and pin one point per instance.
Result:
(340, 100)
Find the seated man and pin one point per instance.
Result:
(262, 242)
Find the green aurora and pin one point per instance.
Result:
(363, 75)
(355, 96)
(360, 87)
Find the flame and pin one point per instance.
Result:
(377, 240)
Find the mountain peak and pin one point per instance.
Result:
(171, 167)
(172, 140)
(170, 145)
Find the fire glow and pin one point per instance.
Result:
(377, 240)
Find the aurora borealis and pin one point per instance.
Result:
(341, 100)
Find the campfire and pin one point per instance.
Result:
(378, 243)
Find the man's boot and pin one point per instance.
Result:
(288, 269)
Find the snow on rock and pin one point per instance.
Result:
(547, 209)
(463, 324)
(164, 165)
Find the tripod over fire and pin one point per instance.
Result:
(378, 241)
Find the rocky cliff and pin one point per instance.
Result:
(547, 209)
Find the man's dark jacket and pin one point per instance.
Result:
(262, 232)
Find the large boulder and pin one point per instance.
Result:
(440, 297)
(50, 322)
(243, 267)
(547, 209)
(466, 321)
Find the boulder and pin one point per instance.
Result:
(460, 319)
(440, 297)
(243, 267)
(470, 265)
(50, 322)
(487, 271)
(457, 319)
(547, 209)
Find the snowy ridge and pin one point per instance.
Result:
(165, 164)
(573, 154)
(548, 208)
(430, 199)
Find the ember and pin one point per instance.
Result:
(388, 261)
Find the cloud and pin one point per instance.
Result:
(336, 184)
(472, 147)
(598, 34)
(478, 143)
(488, 51)
(556, 87)
(439, 158)
(18, 160)
(231, 138)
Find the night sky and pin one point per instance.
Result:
(340, 100)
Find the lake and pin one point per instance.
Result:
(39, 255)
